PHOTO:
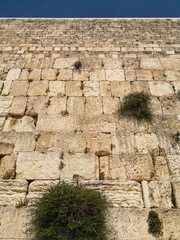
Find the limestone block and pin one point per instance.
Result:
(19, 88)
(146, 143)
(123, 142)
(2, 120)
(9, 228)
(6, 147)
(79, 166)
(161, 168)
(37, 105)
(5, 103)
(65, 62)
(35, 74)
(172, 75)
(130, 75)
(97, 142)
(49, 74)
(176, 191)
(56, 88)
(56, 105)
(91, 88)
(155, 106)
(73, 88)
(55, 123)
(119, 193)
(170, 105)
(160, 88)
(35, 165)
(160, 194)
(12, 192)
(150, 63)
(81, 75)
(24, 124)
(174, 165)
(71, 143)
(98, 75)
(7, 166)
(140, 86)
(114, 75)
(105, 88)
(76, 105)
(126, 124)
(166, 123)
(143, 75)
(120, 89)
(170, 63)
(159, 75)
(24, 75)
(93, 105)
(13, 74)
(112, 63)
(38, 88)
(25, 142)
(47, 142)
(18, 106)
(110, 105)
(65, 75)
(145, 192)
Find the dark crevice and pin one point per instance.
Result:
(173, 198)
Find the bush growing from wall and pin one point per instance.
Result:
(154, 223)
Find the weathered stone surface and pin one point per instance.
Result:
(35, 74)
(105, 88)
(98, 142)
(12, 192)
(172, 75)
(7, 167)
(130, 75)
(159, 88)
(146, 143)
(123, 143)
(25, 142)
(140, 86)
(5, 103)
(47, 142)
(24, 124)
(64, 62)
(76, 105)
(49, 74)
(19, 88)
(98, 75)
(176, 192)
(37, 105)
(112, 63)
(170, 63)
(73, 88)
(5, 147)
(150, 63)
(56, 88)
(18, 106)
(79, 166)
(143, 75)
(65, 75)
(161, 168)
(81, 75)
(114, 75)
(91, 88)
(35, 165)
(13, 74)
(93, 105)
(24, 75)
(159, 75)
(2, 120)
(119, 193)
(38, 88)
(120, 89)
(56, 105)
(174, 165)
(110, 105)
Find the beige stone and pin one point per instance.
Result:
(19, 88)
(65, 75)
(6, 87)
(7, 167)
(49, 74)
(156, 107)
(130, 75)
(81, 75)
(174, 165)
(145, 192)
(2, 120)
(79, 166)
(142, 74)
(176, 191)
(38, 88)
(159, 75)
(25, 142)
(160, 88)
(91, 88)
(24, 124)
(73, 88)
(13, 74)
(114, 75)
(150, 63)
(112, 63)
(105, 88)
(35, 74)
(120, 89)
(170, 63)
(161, 168)
(12, 192)
(160, 194)
(123, 142)
(93, 105)
(35, 165)
(98, 75)
(37, 105)
(65, 62)
(75, 105)
(97, 142)
(110, 105)
(55, 123)
(24, 75)
(47, 142)
(18, 106)
(146, 143)
(56, 105)
(140, 86)
(172, 75)
(5, 103)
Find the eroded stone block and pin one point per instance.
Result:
(56, 88)
(24, 124)
(18, 106)
(114, 75)
(174, 165)
(7, 166)
(5, 103)
(38, 88)
(160, 88)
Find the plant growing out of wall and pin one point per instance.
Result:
(154, 224)
(68, 212)
(136, 105)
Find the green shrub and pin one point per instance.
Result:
(68, 212)
(136, 105)
(155, 225)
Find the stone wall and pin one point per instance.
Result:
(61, 123)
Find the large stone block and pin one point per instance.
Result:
(76, 105)
(18, 106)
(161, 168)
(150, 63)
(105, 88)
(12, 192)
(24, 124)
(65, 75)
(56, 88)
(115, 75)
(160, 88)
(93, 105)
(79, 166)
(123, 143)
(98, 142)
(35, 165)
(120, 89)
(73, 88)
(65, 62)
(91, 88)
(5, 103)
(110, 105)
(172, 75)
(146, 143)
(7, 166)
(174, 165)
(143, 75)
(98, 75)
(25, 142)
(38, 88)
(37, 105)
(13, 74)
(56, 105)
(170, 63)
(112, 63)
(49, 74)
(19, 88)
(35, 74)
(47, 142)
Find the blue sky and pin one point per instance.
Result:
(89, 8)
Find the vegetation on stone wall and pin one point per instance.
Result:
(68, 212)
(136, 105)
(154, 224)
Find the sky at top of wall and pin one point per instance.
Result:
(89, 8)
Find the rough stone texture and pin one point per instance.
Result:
(58, 122)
